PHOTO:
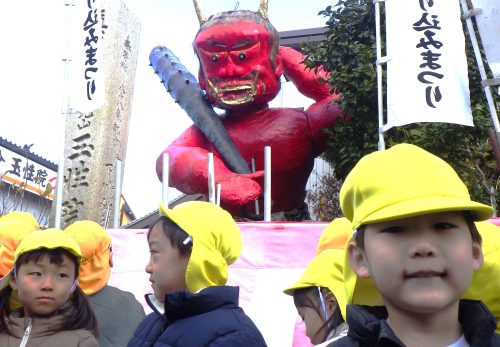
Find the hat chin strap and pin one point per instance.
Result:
(323, 305)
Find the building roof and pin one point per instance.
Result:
(295, 38)
(25, 152)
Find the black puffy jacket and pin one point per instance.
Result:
(210, 317)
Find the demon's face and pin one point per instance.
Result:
(235, 64)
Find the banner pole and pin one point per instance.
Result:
(65, 110)
(379, 62)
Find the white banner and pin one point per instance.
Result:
(87, 65)
(488, 24)
(427, 71)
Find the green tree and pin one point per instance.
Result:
(349, 54)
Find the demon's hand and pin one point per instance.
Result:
(308, 82)
(241, 189)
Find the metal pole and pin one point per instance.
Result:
(164, 180)
(256, 201)
(65, 110)
(60, 178)
(211, 180)
(118, 194)
(379, 62)
(482, 71)
(217, 196)
(267, 184)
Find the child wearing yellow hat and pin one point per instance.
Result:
(191, 247)
(319, 297)
(415, 238)
(11, 234)
(54, 310)
(118, 312)
(335, 235)
(21, 217)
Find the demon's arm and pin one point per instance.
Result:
(324, 112)
(188, 171)
(306, 80)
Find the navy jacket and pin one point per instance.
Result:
(210, 317)
(368, 326)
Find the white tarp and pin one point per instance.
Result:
(488, 23)
(427, 71)
(86, 75)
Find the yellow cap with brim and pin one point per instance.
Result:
(43, 239)
(11, 234)
(404, 181)
(485, 285)
(94, 242)
(325, 270)
(335, 235)
(216, 241)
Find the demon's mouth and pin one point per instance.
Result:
(237, 91)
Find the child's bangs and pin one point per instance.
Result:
(55, 257)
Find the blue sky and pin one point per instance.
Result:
(32, 75)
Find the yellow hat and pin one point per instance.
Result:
(95, 245)
(325, 270)
(485, 285)
(216, 242)
(20, 216)
(404, 181)
(49, 239)
(335, 235)
(11, 234)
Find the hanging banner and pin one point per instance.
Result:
(427, 71)
(488, 24)
(87, 66)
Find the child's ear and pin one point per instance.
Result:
(330, 302)
(477, 256)
(357, 258)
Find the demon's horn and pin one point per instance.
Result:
(263, 8)
(199, 13)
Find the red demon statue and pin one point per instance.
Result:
(240, 67)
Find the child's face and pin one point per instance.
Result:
(166, 266)
(43, 287)
(420, 264)
(313, 322)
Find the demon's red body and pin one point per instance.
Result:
(238, 74)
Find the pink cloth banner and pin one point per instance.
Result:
(274, 256)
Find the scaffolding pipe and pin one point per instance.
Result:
(482, 71)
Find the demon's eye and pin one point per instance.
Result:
(214, 58)
(242, 56)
